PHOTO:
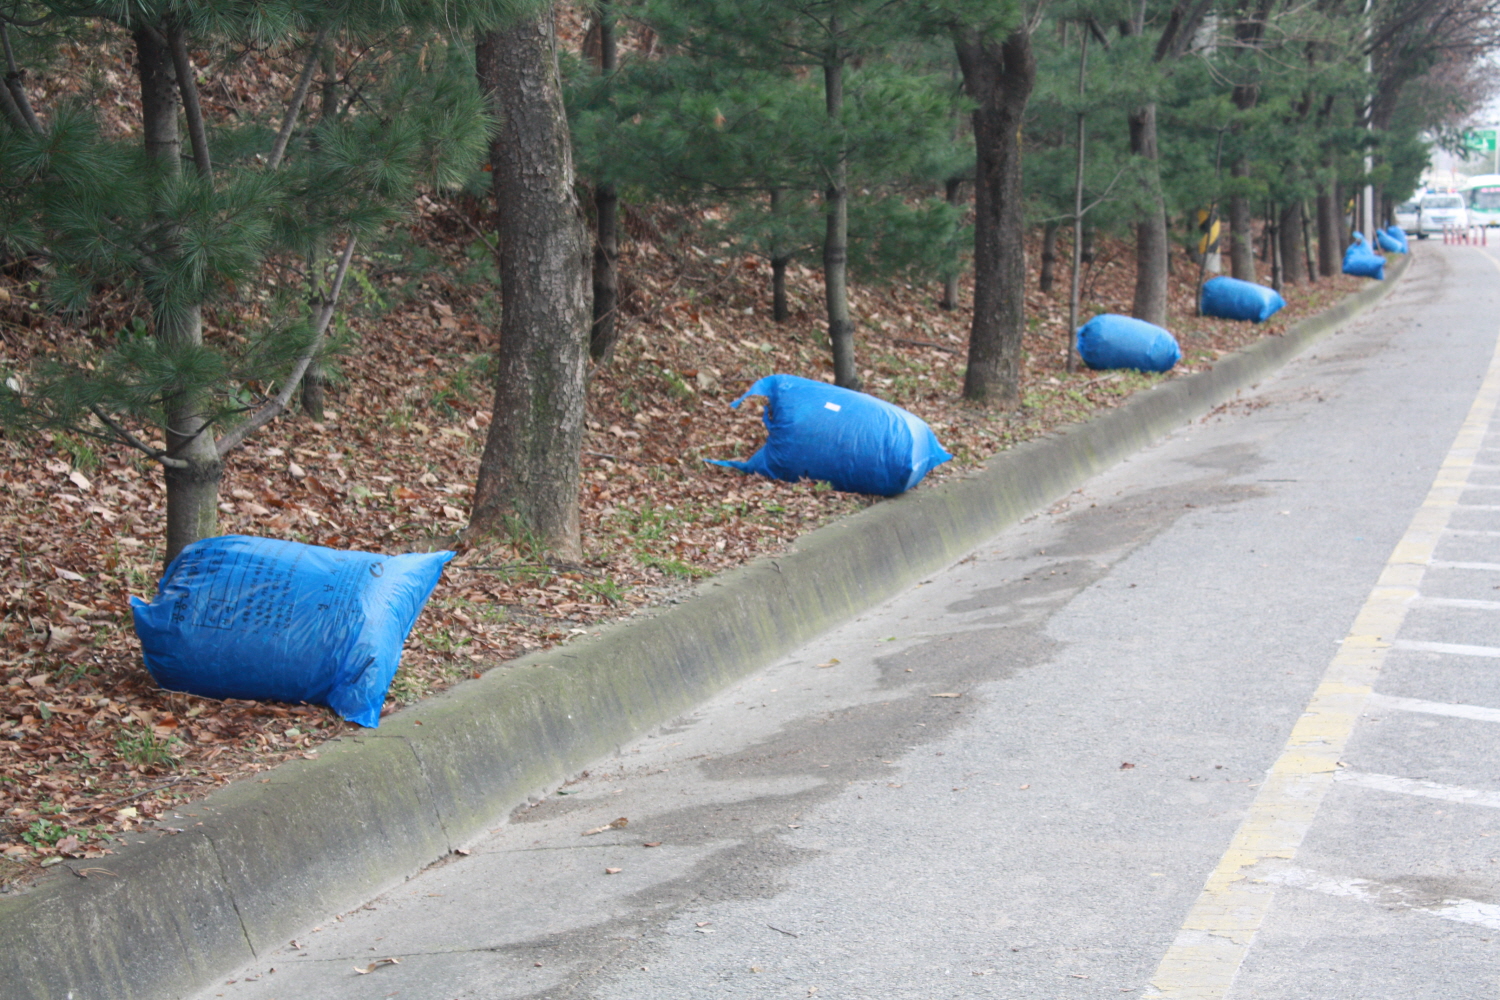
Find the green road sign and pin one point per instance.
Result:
(1480, 139)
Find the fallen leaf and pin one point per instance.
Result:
(1024, 787)
(615, 824)
(829, 663)
(1126, 766)
(376, 964)
(948, 694)
(613, 871)
(654, 843)
(296, 470)
(79, 480)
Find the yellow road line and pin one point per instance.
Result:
(1220, 928)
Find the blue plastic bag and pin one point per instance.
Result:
(1230, 298)
(1113, 341)
(853, 441)
(1392, 239)
(242, 617)
(1362, 262)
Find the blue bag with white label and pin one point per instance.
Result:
(260, 618)
(1362, 262)
(1113, 341)
(1231, 298)
(853, 441)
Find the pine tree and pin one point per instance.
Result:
(775, 81)
(182, 223)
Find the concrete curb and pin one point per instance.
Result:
(324, 835)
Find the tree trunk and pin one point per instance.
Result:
(1049, 256)
(1151, 245)
(1329, 260)
(1340, 223)
(998, 76)
(193, 469)
(836, 236)
(605, 330)
(949, 301)
(1241, 229)
(1273, 247)
(1307, 245)
(1289, 233)
(530, 471)
(314, 382)
(779, 260)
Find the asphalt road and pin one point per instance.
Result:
(1223, 723)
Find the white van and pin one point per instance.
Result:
(1440, 211)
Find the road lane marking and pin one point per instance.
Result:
(1451, 648)
(1419, 787)
(1387, 896)
(1390, 704)
(1460, 602)
(1487, 567)
(1473, 532)
(1478, 506)
(1205, 957)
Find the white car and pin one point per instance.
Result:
(1440, 211)
(1409, 217)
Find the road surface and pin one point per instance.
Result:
(1223, 723)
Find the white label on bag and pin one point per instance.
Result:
(832, 406)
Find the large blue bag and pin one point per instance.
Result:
(242, 617)
(855, 442)
(1392, 239)
(1362, 262)
(1113, 341)
(1230, 298)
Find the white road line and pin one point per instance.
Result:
(1459, 602)
(1477, 506)
(1387, 896)
(1472, 532)
(1219, 929)
(1421, 788)
(1452, 648)
(1487, 567)
(1477, 712)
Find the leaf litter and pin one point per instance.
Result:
(93, 754)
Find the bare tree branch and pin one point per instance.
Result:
(298, 97)
(16, 91)
(135, 442)
(187, 85)
(265, 413)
